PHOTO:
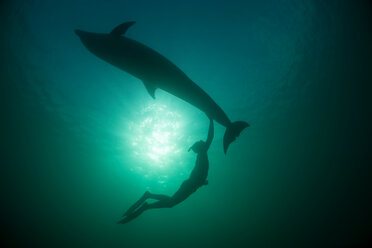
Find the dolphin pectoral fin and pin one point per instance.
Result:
(150, 89)
(232, 132)
(122, 28)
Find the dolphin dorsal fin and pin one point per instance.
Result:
(150, 88)
(122, 28)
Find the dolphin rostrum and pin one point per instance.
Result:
(156, 71)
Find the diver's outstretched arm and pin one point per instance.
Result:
(210, 133)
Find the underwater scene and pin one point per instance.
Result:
(185, 123)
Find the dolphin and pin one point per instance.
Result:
(156, 71)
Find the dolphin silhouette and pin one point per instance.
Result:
(156, 71)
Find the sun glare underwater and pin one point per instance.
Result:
(82, 140)
(155, 140)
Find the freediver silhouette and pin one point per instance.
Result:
(198, 178)
(156, 71)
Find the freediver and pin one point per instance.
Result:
(198, 178)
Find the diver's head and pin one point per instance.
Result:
(198, 147)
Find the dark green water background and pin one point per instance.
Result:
(298, 71)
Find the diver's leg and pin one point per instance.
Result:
(167, 202)
(159, 197)
(146, 195)
(164, 201)
(137, 203)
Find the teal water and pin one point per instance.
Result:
(82, 140)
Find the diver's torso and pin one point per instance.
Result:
(199, 174)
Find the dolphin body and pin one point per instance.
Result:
(156, 71)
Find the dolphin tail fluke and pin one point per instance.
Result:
(232, 132)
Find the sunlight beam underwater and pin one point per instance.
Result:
(155, 137)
